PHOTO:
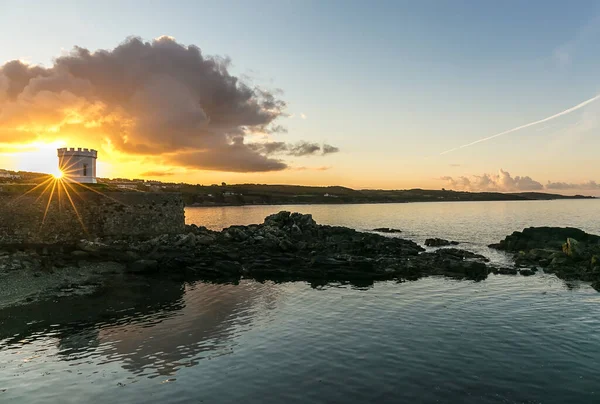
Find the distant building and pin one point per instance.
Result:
(78, 165)
(8, 174)
(127, 186)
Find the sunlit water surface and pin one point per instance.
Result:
(507, 339)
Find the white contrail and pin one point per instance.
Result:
(565, 112)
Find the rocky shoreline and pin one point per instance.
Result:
(290, 247)
(569, 253)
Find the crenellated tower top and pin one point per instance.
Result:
(78, 164)
(72, 151)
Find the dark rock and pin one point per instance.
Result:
(228, 267)
(559, 261)
(90, 246)
(205, 239)
(143, 266)
(544, 238)
(78, 254)
(286, 220)
(291, 246)
(131, 256)
(541, 257)
(569, 253)
(188, 240)
(475, 270)
(296, 230)
(505, 271)
(439, 242)
(460, 254)
(236, 233)
(286, 245)
(387, 230)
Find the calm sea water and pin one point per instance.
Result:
(504, 340)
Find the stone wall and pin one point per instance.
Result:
(127, 215)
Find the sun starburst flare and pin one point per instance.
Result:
(58, 185)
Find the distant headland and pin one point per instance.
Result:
(262, 194)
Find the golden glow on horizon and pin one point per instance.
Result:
(37, 156)
(41, 157)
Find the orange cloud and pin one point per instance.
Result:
(160, 100)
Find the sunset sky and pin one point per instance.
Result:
(360, 94)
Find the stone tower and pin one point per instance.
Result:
(78, 165)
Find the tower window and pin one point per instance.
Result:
(85, 169)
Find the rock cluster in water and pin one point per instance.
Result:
(291, 246)
(439, 242)
(287, 246)
(570, 253)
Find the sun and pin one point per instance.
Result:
(58, 174)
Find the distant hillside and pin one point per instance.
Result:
(262, 194)
(253, 194)
(544, 196)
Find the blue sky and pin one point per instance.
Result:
(391, 83)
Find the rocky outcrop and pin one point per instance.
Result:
(291, 246)
(439, 242)
(543, 238)
(570, 253)
(287, 246)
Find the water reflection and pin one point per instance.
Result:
(123, 299)
(434, 340)
(150, 327)
(204, 327)
(508, 339)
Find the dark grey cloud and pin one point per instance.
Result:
(270, 147)
(235, 157)
(15, 76)
(303, 149)
(328, 149)
(293, 149)
(157, 98)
